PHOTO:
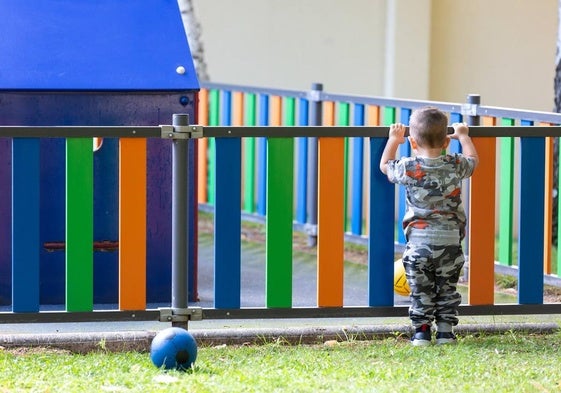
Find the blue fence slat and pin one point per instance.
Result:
(226, 108)
(262, 157)
(531, 220)
(381, 231)
(302, 164)
(357, 173)
(227, 223)
(455, 146)
(404, 151)
(25, 225)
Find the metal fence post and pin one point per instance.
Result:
(473, 101)
(472, 119)
(316, 114)
(179, 223)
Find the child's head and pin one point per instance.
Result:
(428, 126)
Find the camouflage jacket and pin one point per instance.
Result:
(433, 190)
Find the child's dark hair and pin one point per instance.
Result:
(429, 126)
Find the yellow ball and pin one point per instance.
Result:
(400, 284)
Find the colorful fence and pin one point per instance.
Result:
(367, 199)
(254, 157)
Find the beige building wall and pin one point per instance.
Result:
(501, 49)
(425, 49)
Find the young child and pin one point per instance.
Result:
(434, 221)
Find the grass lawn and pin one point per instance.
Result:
(501, 363)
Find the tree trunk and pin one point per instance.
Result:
(193, 32)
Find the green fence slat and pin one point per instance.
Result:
(388, 115)
(213, 120)
(289, 107)
(79, 224)
(280, 173)
(506, 195)
(249, 155)
(344, 119)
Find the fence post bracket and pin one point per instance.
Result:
(168, 314)
(181, 132)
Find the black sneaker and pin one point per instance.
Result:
(445, 338)
(422, 336)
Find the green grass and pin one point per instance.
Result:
(502, 363)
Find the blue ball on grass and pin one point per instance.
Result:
(173, 348)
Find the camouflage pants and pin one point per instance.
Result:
(432, 272)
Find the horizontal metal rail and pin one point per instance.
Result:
(80, 132)
(256, 131)
(367, 131)
(271, 313)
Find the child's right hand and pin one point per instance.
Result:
(397, 133)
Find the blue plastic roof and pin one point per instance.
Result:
(88, 45)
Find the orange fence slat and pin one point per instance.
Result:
(482, 223)
(132, 224)
(330, 244)
(328, 113)
(276, 111)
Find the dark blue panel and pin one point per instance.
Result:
(381, 231)
(94, 45)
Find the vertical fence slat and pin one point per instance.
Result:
(302, 164)
(264, 111)
(506, 196)
(227, 218)
(531, 221)
(455, 146)
(202, 146)
(548, 200)
(381, 231)
(357, 173)
(227, 221)
(25, 225)
(373, 119)
(132, 223)
(343, 119)
(214, 120)
(404, 151)
(558, 216)
(79, 224)
(481, 247)
(330, 249)
(280, 165)
(249, 155)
